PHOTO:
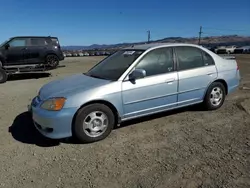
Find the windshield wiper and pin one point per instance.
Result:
(95, 76)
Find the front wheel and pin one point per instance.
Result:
(93, 123)
(52, 61)
(215, 96)
(3, 76)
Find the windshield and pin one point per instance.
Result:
(115, 65)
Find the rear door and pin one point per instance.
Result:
(36, 50)
(196, 70)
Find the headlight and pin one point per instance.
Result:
(53, 104)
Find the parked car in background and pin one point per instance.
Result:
(97, 53)
(86, 54)
(103, 53)
(225, 49)
(107, 53)
(29, 51)
(131, 83)
(75, 54)
(230, 49)
(242, 50)
(220, 50)
(69, 55)
(80, 54)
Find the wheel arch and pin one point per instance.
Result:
(220, 81)
(2, 61)
(108, 104)
(50, 53)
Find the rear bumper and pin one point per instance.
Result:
(235, 83)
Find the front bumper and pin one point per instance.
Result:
(53, 124)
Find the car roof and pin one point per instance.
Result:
(33, 37)
(156, 45)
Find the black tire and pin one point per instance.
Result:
(3, 76)
(52, 61)
(216, 86)
(81, 133)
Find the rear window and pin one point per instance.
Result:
(55, 41)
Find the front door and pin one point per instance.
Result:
(196, 70)
(155, 92)
(16, 51)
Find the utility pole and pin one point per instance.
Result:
(200, 35)
(148, 35)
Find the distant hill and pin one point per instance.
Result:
(206, 41)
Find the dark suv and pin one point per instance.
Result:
(30, 50)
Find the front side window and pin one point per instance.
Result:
(115, 65)
(17, 43)
(189, 57)
(158, 61)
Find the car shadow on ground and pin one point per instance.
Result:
(160, 115)
(26, 76)
(23, 129)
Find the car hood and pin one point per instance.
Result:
(60, 88)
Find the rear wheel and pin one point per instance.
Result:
(52, 61)
(3, 76)
(93, 123)
(215, 96)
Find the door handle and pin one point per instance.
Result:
(210, 73)
(25, 48)
(170, 80)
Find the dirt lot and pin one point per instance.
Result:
(184, 148)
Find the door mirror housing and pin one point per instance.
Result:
(137, 73)
(6, 46)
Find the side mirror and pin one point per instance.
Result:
(6, 46)
(137, 73)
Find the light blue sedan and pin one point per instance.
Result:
(131, 83)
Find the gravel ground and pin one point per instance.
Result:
(183, 148)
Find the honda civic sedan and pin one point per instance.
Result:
(133, 82)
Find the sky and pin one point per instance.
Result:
(86, 22)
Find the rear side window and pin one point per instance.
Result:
(189, 57)
(208, 60)
(37, 41)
